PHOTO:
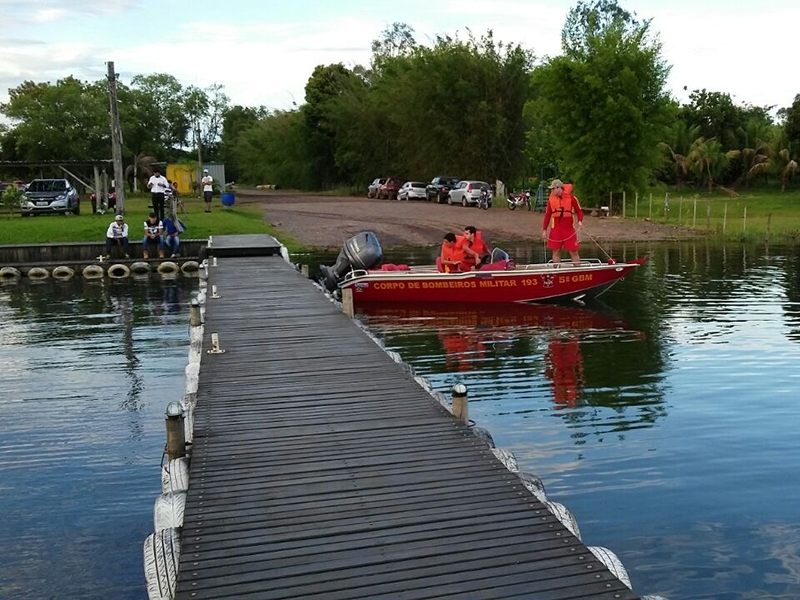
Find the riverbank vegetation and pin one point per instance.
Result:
(598, 114)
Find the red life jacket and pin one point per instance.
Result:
(562, 206)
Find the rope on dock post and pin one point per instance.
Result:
(460, 402)
(347, 302)
(176, 437)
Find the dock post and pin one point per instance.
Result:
(461, 402)
(194, 313)
(304, 270)
(347, 302)
(176, 437)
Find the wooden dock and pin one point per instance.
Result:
(322, 470)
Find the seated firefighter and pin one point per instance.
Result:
(152, 236)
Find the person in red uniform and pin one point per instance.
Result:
(473, 241)
(562, 210)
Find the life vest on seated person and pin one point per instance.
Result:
(452, 253)
(477, 245)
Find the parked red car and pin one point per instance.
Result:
(389, 189)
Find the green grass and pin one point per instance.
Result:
(86, 227)
(750, 216)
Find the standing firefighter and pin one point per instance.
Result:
(562, 210)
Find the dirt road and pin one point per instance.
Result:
(326, 221)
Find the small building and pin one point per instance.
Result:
(187, 176)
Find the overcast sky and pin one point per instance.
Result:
(263, 51)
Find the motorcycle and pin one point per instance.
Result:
(522, 199)
(485, 199)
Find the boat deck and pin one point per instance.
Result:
(322, 469)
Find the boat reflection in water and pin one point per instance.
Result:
(511, 342)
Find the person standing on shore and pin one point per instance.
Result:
(563, 209)
(157, 184)
(208, 188)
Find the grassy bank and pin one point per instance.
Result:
(750, 216)
(87, 227)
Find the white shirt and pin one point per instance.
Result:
(117, 231)
(153, 228)
(207, 182)
(158, 184)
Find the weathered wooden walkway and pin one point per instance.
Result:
(321, 470)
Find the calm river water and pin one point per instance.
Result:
(87, 371)
(666, 418)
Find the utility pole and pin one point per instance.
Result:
(199, 155)
(116, 140)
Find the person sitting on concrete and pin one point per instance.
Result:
(152, 236)
(173, 228)
(117, 234)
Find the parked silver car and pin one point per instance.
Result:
(50, 196)
(468, 192)
(412, 190)
(374, 188)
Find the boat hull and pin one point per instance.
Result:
(525, 284)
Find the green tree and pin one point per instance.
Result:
(68, 120)
(236, 120)
(605, 99)
(791, 118)
(159, 104)
(681, 136)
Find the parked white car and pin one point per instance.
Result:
(412, 190)
(374, 188)
(468, 192)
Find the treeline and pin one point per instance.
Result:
(598, 114)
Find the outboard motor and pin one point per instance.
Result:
(362, 251)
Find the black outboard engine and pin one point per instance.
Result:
(362, 251)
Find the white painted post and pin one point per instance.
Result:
(460, 402)
(176, 440)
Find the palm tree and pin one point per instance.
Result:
(675, 152)
(141, 165)
(707, 160)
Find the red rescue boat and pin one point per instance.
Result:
(522, 283)
(501, 281)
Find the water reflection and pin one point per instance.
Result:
(523, 354)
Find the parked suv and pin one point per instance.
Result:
(440, 187)
(50, 196)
